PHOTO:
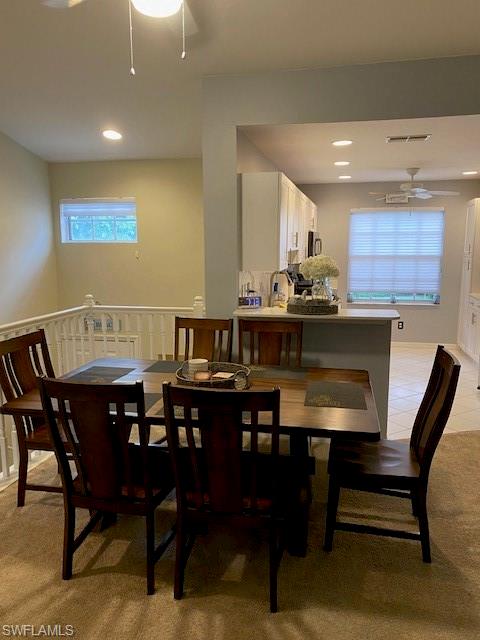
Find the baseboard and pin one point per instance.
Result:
(423, 345)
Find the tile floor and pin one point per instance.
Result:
(409, 371)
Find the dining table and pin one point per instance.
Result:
(314, 403)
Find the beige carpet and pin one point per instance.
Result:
(367, 588)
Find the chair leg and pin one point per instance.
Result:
(274, 562)
(68, 541)
(179, 562)
(332, 506)
(413, 497)
(22, 476)
(421, 503)
(150, 524)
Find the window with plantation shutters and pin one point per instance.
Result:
(98, 220)
(395, 255)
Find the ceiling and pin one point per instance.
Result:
(306, 154)
(65, 72)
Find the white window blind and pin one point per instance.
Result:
(395, 255)
(98, 220)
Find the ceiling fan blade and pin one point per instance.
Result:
(61, 4)
(445, 193)
(423, 195)
(409, 186)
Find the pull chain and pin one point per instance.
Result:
(132, 66)
(184, 53)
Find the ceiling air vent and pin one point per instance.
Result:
(423, 137)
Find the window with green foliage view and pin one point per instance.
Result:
(102, 220)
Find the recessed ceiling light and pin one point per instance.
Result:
(469, 173)
(342, 143)
(341, 163)
(111, 134)
(344, 177)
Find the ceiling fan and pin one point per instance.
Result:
(153, 8)
(411, 189)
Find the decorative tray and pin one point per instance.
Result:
(312, 307)
(239, 377)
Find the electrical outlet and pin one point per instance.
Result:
(400, 324)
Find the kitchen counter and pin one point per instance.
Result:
(344, 315)
(352, 339)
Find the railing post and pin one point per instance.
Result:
(198, 307)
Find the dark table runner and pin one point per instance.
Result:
(100, 375)
(163, 366)
(346, 395)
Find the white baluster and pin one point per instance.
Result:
(3, 443)
(15, 454)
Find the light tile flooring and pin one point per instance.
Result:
(409, 371)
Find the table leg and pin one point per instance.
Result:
(297, 526)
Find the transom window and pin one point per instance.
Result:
(395, 255)
(98, 220)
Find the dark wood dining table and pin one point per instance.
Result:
(299, 418)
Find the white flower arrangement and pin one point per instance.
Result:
(318, 267)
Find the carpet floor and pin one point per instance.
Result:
(368, 588)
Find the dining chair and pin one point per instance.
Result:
(22, 359)
(204, 338)
(270, 342)
(110, 475)
(395, 468)
(220, 476)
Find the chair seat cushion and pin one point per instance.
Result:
(384, 459)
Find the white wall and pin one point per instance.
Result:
(169, 270)
(433, 323)
(415, 89)
(28, 283)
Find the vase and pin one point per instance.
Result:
(322, 291)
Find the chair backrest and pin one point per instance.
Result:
(22, 360)
(435, 407)
(95, 426)
(270, 342)
(204, 338)
(215, 475)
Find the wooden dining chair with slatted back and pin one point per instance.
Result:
(277, 343)
(219, 476)
(110, 475)
(204, 338)
(395, 468)
(22, 360)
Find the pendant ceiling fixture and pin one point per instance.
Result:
(155, 9)
(158, 8)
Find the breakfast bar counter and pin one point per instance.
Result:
(351, 339)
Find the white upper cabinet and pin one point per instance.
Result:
(276, 218)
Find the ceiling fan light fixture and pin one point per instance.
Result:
(157, 8)
(342, 143)
(111, 134)
(341, 163)
(469, 173)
